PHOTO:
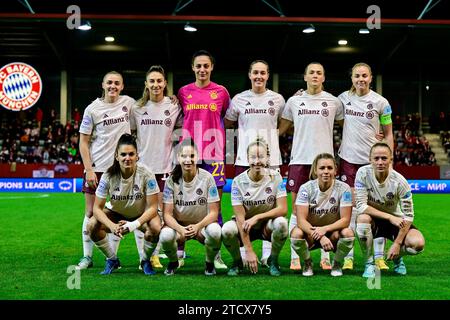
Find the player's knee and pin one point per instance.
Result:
(229, 230)
(214, 231)
(363, 218)
(280, 226)
(415, 245)
(167, 235)
(346, 233)
(297, 233)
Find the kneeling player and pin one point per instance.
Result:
(190, 208)
(323, 211)
(260, 208)
(385, 206)
(133, 204)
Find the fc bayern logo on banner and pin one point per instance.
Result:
(20, 86)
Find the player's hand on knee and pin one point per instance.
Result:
(396, 221)
(326, 244)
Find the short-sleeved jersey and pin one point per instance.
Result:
(362, 122)
(324, 207)
(393, 196)
(191, 199)
(313, 117)
(106, 122)
(154, 124)
(128, 196)
(257, 116)
(257, 196)
(203, 110)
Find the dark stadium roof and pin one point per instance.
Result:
(235, 32)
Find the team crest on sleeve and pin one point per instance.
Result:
(407, 195)
(347, 196)
(86, 121)
(102, 186)
(235, 192)
(20, 86)
(167, 194)
(387, 110)
(282, 186)
(304, 195)
(359, 185)
(151, 184)
(213, 191)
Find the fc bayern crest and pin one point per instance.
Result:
(20, 86)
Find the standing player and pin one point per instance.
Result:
(191, 207)
(313, 114)
(323, 215)
(104, 121)
(154, 118)
(133, 204)
(365, 113)
(385, 207)
(259, 203)
(204, 105)
(257, 112)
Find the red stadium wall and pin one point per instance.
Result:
(76, 171)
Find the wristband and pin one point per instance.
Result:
(132, 225)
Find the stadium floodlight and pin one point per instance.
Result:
(364, 31)
(342, 42)
(109, 39)
(189, 28)
(85, 26)
(309, 29)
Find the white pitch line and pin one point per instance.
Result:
(25, 197)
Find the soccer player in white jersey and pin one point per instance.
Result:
(104, 121)
(385, 209)
(154, 118)
(365, 114)
(191, 208)
(133, 204)
(313, 114)
(257, 112)
(259, 201)
(323, 215)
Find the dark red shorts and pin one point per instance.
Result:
(86, 188)
(347, 172)
(239, 169)
(161, 180)
(298, 175)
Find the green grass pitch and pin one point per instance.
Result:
(40, 239)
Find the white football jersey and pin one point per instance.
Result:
(324, 207)
(313, 117)
(128, 196)
(361, 124)
(191, 199)
(106, 122)
(257, 116)
(257, 197)
(393, 196)
(154, 124)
